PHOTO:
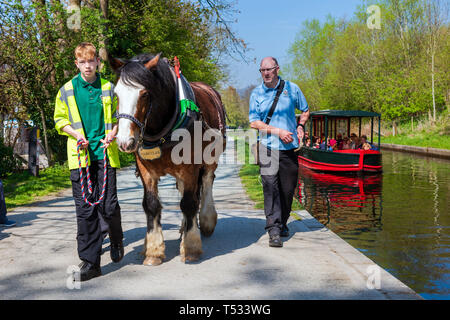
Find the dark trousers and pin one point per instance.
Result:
(279, 183)
(90, 219)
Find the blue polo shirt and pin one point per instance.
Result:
(283, 117)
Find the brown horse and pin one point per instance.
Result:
(147, 104)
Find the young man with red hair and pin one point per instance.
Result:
(85, 112)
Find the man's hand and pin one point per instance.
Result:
(108, 139)
(285, 136)
(300, 134)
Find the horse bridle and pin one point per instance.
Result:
(136, 121)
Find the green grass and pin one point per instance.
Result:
(251, 180)
(420, 139)
(422, 133)
(24, 188)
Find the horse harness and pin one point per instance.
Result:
(149, 148)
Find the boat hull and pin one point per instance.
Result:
(340, 161)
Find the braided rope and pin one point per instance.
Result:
(88, 176)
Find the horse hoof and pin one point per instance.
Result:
(152, 261)
(190, 258)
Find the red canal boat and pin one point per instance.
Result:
(331, 123)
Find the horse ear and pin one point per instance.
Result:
(115, 63)
(152, 63)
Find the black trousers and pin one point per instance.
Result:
(93, 221)
(279, 175)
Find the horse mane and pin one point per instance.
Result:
(160, 84)
(156, 81)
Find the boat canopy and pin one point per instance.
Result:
(331, 122)
(345, 113)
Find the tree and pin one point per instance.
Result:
(39, 37)
(435, 16)
(236, 108)
(342, 64)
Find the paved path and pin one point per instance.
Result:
(237, 262)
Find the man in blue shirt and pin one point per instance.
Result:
(278, 140)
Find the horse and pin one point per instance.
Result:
(146, 91)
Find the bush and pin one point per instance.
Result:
(126, 159)
(8, 164)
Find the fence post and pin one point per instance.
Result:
(33, 155)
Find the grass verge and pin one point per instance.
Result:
(420, 139)
(251, 180)
(23, 188)
(422, 133)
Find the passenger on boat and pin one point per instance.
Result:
(354, 141)
(332, 145)
(308, 142)
(346, 144)
(366, 146)
(305, 138)
(316, 144)
(323, 145)
(362, 140)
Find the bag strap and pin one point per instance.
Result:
(275, 101)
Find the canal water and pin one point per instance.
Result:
(400, 219)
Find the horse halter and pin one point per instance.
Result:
(132, 118)
(136, 121)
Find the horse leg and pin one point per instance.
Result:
(154, 242)
(191, 242)
(208, 213)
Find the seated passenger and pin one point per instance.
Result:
(362, 141)
(366, 146)
(346, 145)
(332, 145)
(305, 138)
(354, 141)
(308, 142)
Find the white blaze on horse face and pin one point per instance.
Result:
(128, 99)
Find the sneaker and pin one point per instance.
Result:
(8, 223)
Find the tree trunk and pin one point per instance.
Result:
(432, 87)
(62, 42)
(447, 100)
(103, 31)
(2, 117)
(47, 150)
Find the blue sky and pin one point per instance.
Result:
(270, 27)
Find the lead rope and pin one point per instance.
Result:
(88, 176)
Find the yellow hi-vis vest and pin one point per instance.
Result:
(66, 113)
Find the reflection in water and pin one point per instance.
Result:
(400, 219)
(342, 202)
